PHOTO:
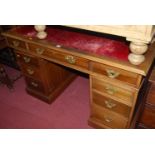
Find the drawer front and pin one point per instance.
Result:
(34, 85)
(113, 91)
(148, 117)
(110, 104)
(27, 59)
(70, 59)
(39, 50)
(31, 71)
(116, 73)
(59, 56)
(151, 95)
(16, 43)
(108, 118)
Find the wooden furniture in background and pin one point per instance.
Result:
(147, 117)
(139, 36)
(4, 78)
(7, 55)
(114, 84)
(2, 40)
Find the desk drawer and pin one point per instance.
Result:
(35, 85)
(70, 59)
(40, 50)
(110, 104)
(27, 59)
(116, 73)
(31, 71)
(108, 118)
(16, 43)
(113, 91)
(60, 56)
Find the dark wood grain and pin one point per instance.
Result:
(147, 117)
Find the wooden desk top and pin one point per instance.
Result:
(141, 69)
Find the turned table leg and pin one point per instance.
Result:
(137, 49)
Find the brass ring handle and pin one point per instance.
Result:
(15, 43)
(108, 120)
(109, 104)
(1, 69)
(111, 90)
(30, 71)
(70, 59)
(34, 84)
(112, 74)
(26, 59)
(18, 55)
(40, 50)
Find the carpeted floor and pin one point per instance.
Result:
(70, 110)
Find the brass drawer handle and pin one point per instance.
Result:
(18, 55)
(1, 69)
(34, 84)
(70, 59)
(26, 59)
(30, 71)
(112, 74)
(15, 43)
(108, 120)
(109, 104)
(40, 50)
(111, 90)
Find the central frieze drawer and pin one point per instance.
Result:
(59, 56)
(116, 73)
(71, 59)
(117, 92)
(108, 118)
(111, 104)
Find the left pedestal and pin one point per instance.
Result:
(44, 80)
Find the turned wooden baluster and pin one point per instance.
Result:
(137, 49)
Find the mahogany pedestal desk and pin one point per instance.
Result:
(114, 82)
